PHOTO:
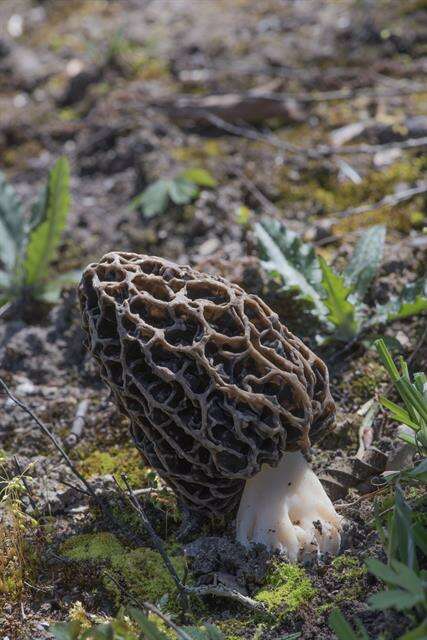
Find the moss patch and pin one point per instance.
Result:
(115, 461)
(323, 192)
(92, 547)
(141, 571)
(349, 573)
(287, 588)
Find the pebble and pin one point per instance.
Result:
(209, 246)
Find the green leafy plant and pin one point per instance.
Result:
(332, 301)
(407, 589)
(404, 539)
(14, 521)
(397, 520)
(413, 394)
(403, 535)
(180, 190)
(29, 241)
(343, 629)
(139, 627)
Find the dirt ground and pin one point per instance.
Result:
(105, 83)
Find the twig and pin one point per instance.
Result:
(148, 491)
(389, 200)
(73, 486)
(253, 134)
(224, 592)
(178, 630)
(409, 143)
(314, 153)
(52, 438)
(348, 94)
(258, 195)
(78, 424)
(150, 607)
(367, 496)
(204, 590)
(5, 308)
(149, 527)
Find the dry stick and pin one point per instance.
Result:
(390, 200)
(214, 590)
(149, 527)
(252, 134)
(315, 153)
(73, 486)
(224, 592)
(150, 607)
(78, 424)
(52, 438)
(253, 189)
(178, 630)
(347, 94)
(367, 496)
(409, 143)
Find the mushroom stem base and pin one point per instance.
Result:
(287, 509)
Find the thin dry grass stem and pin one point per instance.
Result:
(14, 564)
(53, 439)
(367, 496)
(181, 633)
(200, 591)
(313, 153)
(134, 502)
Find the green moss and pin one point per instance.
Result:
(287, 588)
(349, 573)
(323, 190)
(375, 185)
(237, 628)
(348, 566)
(144, 576)
(115, 461)
(92, 547)
(364, 386)
(198, 153)
(141, 572)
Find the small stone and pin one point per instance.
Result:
(26, 388)
(209, 246)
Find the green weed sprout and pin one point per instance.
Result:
(413, 394)
(134, 626)
(329, 300)
(181, 189)
(29, 241)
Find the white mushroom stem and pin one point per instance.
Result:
(286, 508)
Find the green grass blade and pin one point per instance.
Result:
(419, 633)
(386, 359)
(404, 539)
(398, 413)
(45, 238)
(413, 397)
(340, 626)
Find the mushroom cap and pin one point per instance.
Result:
(214, 385)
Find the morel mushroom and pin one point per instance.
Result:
(219, 393)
